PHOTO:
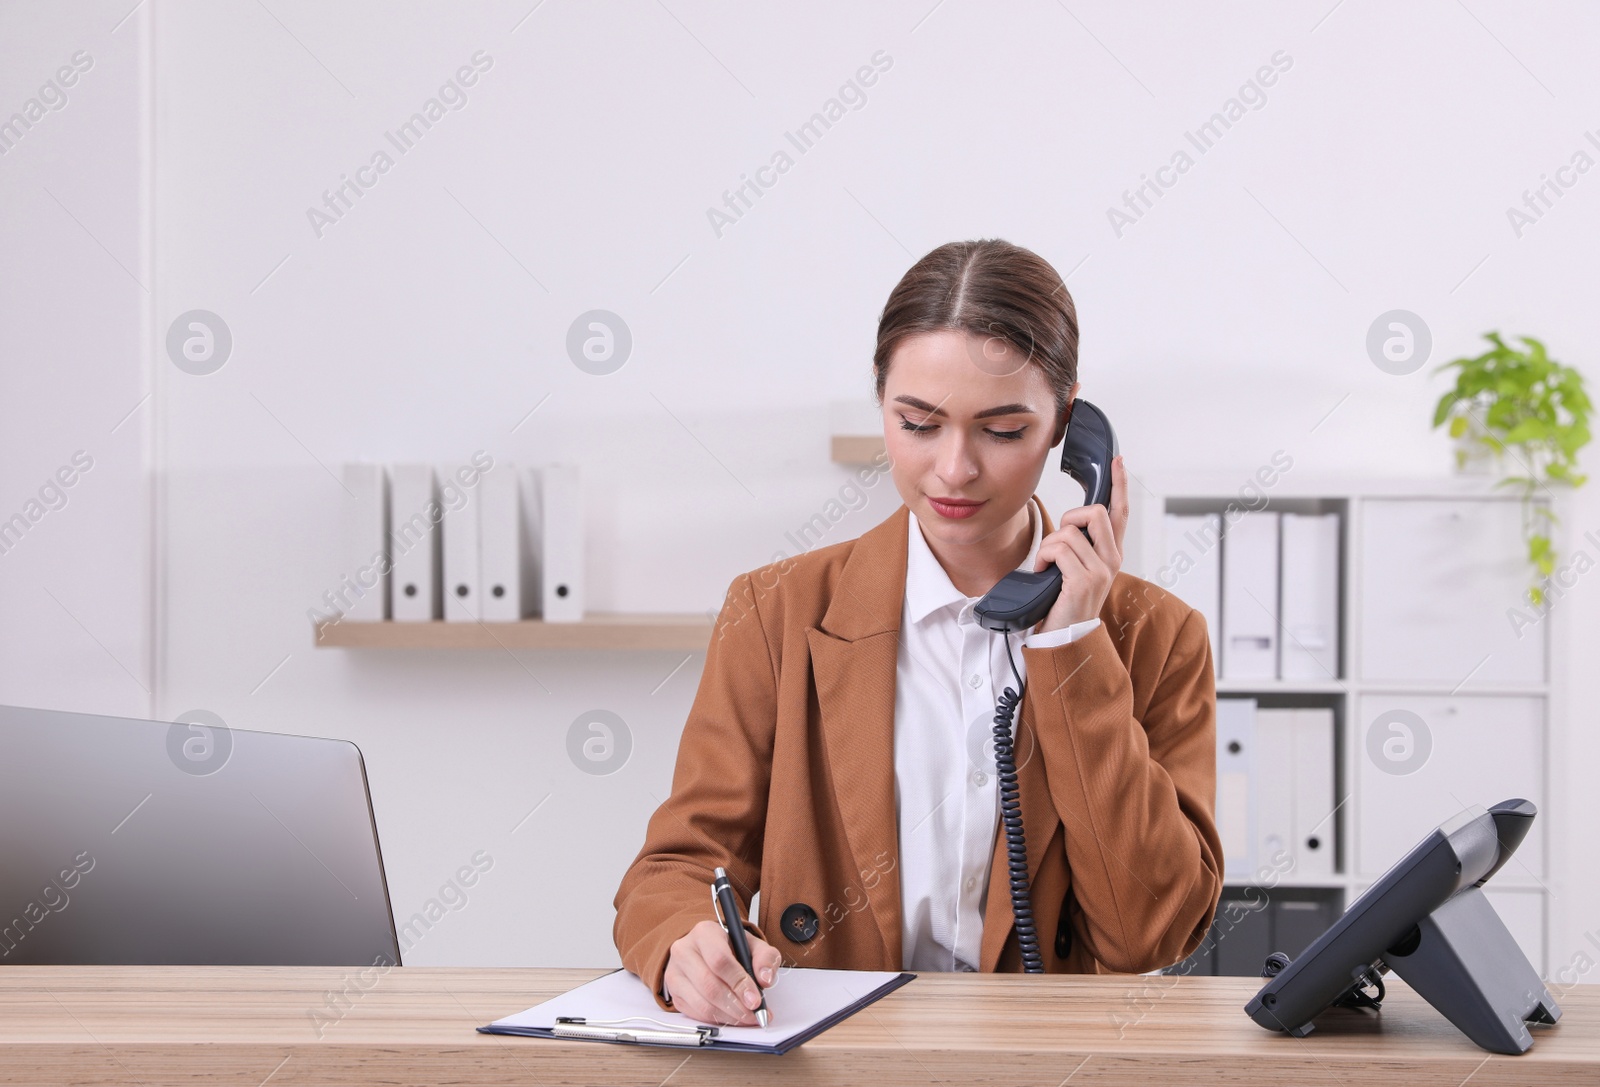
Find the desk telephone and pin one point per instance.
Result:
(1017, 602)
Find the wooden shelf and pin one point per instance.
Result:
(597, 631)
(857, 448)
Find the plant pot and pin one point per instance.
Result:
(1473, 458)
(1473, 452)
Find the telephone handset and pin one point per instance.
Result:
(1017, 602)
(1021, 599)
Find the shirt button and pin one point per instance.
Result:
(974, 681)
(980, 778)
(972, 882)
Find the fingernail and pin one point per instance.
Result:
(751, 998)
(766, 976)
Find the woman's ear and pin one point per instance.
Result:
(1066, 414)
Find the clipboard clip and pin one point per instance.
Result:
(617, 1030)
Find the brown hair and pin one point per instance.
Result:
(989, 288)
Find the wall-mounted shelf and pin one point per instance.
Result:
(857, 448)
(856, 428)
(597, 631)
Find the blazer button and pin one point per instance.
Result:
(799, 922)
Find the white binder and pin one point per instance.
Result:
(1275, 776)
(414, 543)
(1250, 597)
(1191, 568)
(561, 595)
(459, 540)
(1310, 597)
(363, 577)
(1236, 786)
(1315, 824)
(1294, 781)
(500, 547)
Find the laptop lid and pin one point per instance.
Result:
(126, 841)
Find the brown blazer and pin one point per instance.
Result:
(785, 777)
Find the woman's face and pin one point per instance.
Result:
(970, 419)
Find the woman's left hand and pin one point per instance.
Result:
(1086, 571)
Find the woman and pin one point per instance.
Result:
(837, 755)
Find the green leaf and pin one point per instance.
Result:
(1525, 431)
(1522, 403)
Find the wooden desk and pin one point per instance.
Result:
(255, 1026)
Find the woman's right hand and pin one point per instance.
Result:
(707, 983)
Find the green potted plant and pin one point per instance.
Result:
(1525, 407)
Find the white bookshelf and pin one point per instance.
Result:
(1511, 707)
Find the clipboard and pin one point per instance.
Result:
(619, 1009)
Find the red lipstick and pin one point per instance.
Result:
(955, 509)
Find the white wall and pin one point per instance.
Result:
(1228, 322)
(74, 288)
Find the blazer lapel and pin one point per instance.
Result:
(853, 654)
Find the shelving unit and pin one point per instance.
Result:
(690, 633)
(1428, 571)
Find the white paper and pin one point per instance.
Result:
(798, 1000)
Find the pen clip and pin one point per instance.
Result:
(716, 904)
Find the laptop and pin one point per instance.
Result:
(126, 841)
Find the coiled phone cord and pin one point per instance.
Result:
(1005, 765)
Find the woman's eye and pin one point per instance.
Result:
(998, 435)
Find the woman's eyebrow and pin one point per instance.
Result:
(1003, 409)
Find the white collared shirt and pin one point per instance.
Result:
(948, 677)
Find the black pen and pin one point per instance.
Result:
(727, 904)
